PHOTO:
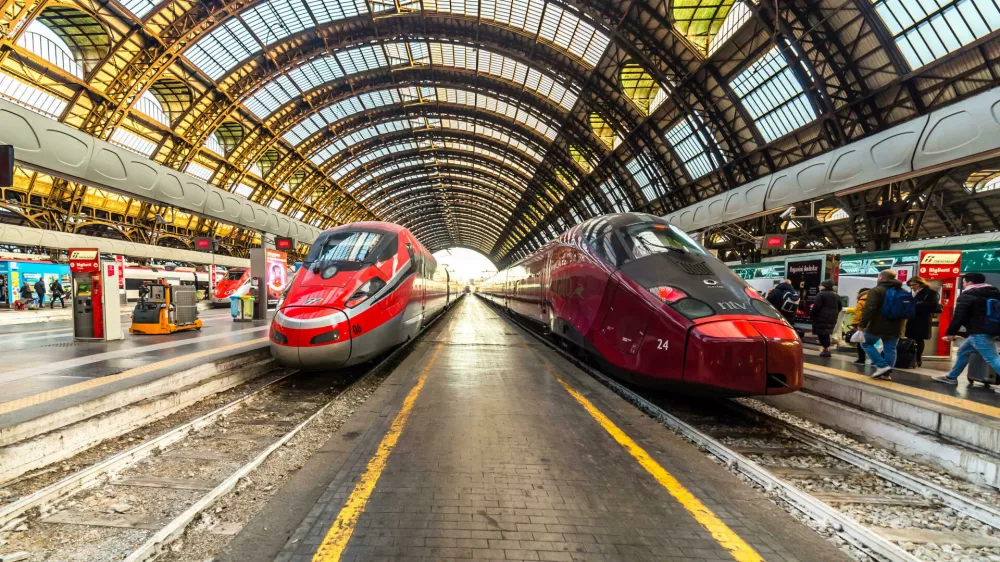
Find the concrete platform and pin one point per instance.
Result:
(956, 428)
(484, 444)
(45, 372)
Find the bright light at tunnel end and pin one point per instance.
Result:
(465, 265)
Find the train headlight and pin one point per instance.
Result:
(327, 337)
(668, 294)
(278, 337)
(370, 287)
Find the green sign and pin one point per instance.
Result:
(760, 271)
(987, 260)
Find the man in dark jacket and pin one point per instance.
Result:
(40, 291)
(970, 312)
(925, 301)
(877, 327)
(779, 294)
(825, 310)
(58, 292)
(26, 295)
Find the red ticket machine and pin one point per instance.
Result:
(96, 311)
(942, 269)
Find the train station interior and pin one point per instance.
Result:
(671, 280)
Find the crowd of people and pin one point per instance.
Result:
(891, 324)
(37, 298)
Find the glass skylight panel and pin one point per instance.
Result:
(233, 42)
(692, 143)
(576, 215)
(926, 30)
(198, 171)
(275, 204)
(30, 97)
(297, 215)
(139, 7)
(212, 143)
(642, 179)
(272, 96)
(131, 141)
(591, 205)
(773, 96)
(243, 190)
(738, 14)
(616, 195)
(362, 59)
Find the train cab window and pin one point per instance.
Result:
(234, 275)
(344, 250)
(646, 239)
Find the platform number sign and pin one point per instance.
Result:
(6, 165)
(284, 244)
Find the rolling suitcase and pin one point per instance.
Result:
(981, 371)
(906, 354)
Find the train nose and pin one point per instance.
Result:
(312, 338)
(746, 356)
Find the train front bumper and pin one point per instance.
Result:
(311, 338)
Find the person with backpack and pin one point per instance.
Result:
(785, 300)
(58, 292)
(884, 317)
(825, 311)
(978, 310)
(40, 291)
(926, 301)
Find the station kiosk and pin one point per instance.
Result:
(942, 268)
(96, 307)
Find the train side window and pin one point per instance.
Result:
(389, 251)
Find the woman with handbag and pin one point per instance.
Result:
(862, 297)
(926, 302)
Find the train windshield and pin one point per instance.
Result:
(234, 275)
(646, 239)
(344, 247)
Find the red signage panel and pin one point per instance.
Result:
(940, 264)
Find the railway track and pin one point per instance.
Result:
(132, 505)
(882, 511)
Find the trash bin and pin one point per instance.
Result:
(241, 308)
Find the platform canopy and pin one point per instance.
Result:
(488, 124)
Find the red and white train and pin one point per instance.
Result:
(235, 283)
(363, 289)
(654, 308)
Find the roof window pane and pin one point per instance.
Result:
(926, 30)
(243, 190)
(30, 97)
(131, 141)
(773, 96)
(643, 178)
(694, 145)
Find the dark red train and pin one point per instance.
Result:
(654, 307)
(363, 289)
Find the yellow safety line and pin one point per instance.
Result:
(960, 403)
(332, 547)
(42, 397)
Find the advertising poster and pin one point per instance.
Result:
(806, 275)
(277, 275)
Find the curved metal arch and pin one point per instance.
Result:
(249, 20)
(426, 142)
(431, 208)
(555, 152)
(305, 71)
(401, 89)
(453, 183)
(364, 137)
(448, 193)
(403, 181)
(379, 172)
(470, 221)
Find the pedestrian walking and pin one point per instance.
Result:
(858, 307)
(884, 317)
(927, 303)
(978, 311)
(58, 292)
(825, 310)
(40, 291)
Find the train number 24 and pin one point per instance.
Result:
(662, 344)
